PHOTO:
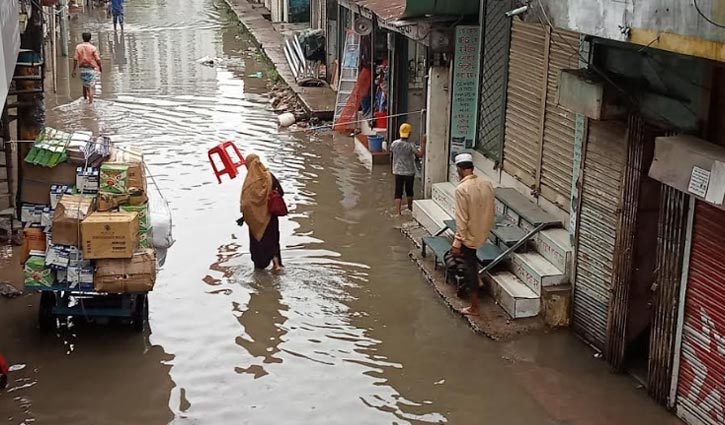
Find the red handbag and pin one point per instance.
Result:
(276, 204)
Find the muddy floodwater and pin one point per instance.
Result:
(350, 333)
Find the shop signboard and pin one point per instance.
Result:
(9, 44)
(464, 102)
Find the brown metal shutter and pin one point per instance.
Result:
(701, 384)
(672, 227)
(604, 160)
(624, 248)
(557, 153)
(526, 85)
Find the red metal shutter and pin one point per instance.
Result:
(701, 383)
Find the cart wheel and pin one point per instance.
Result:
(140, 313)
(45, 311)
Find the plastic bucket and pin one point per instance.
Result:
(375, 143)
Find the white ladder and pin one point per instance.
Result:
(348, 72)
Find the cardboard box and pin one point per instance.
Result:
(137, 274)
(143, 214)
(58, 190)
(70, 212)
(87, 180)
(34, 240)
(109, 201)
(144, 238)
(131, 156)
(110, 235)
(37, 181)
(114, 178)
(37, 275)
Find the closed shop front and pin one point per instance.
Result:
(557, 154)
(524, 101)
(701, 381)
(539, 139)
(604, 160)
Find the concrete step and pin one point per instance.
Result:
(535, 271)
(555, 246)
(522, 211)
(513, 295)
(429, 215)
(444, 194)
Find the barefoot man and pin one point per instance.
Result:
(475, 214)
(89, 61)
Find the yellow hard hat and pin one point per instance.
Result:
(405, 130)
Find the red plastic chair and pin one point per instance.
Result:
(230, 165)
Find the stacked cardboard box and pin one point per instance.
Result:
(88, 229)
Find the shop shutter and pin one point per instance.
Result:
(672, 227)
(526, 86)
(625, 246)
(604, 160)
(701, 383)
(559, 123)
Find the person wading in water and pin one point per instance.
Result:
(263, 226)
(86, 58)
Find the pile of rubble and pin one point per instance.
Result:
(284, 100)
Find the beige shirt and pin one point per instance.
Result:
(475, 211)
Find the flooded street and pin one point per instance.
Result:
(350, 333)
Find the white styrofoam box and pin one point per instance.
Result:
(514, 296)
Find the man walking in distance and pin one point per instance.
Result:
(475, 215)
(404, 153)
(117, 12)
(86, 58)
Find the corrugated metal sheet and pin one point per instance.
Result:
(526, 88)
(384, 9)
(624, 252)
(604, 160)
(559, 123)
(493, 80)
(672, 229)
(701, 384)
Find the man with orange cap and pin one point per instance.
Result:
(404, 153)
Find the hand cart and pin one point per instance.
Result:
(62, 301)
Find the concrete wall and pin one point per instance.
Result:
(677, 23)
(9, 44)
(436, 159)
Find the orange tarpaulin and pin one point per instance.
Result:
(345, 121)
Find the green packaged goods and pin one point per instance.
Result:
(143, 213)
(114, 178)
(144, 238)
(37, 275)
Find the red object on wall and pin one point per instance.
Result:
(346, 120)
(701, 383)
(381, 119)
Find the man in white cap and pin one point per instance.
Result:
(475, 215)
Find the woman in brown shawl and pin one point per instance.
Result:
(263, 226)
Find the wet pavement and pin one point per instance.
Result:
(349, 334)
